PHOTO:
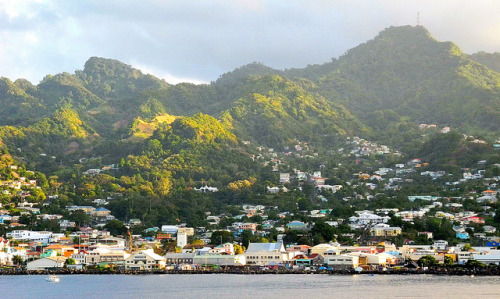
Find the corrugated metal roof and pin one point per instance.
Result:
(270, 247)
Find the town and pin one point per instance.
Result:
(454, 225)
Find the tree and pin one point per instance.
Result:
(80, 218)
(497, 216)
(17, 260)
(304, 204)
(197, 242)
(326, 231)
(221, 237)
(474, 264)
(69, 261)
(116, 227)
(246, 237)
(467, 247)
(238, 249)
(448, 261)
(427, 261)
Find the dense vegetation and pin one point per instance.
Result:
(159, 141)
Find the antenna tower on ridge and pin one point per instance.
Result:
(418, 18)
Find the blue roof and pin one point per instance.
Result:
(296, 223)
(102, 209)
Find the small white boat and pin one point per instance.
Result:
(52, 278)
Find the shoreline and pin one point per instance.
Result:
(441, 272)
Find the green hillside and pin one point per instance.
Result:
(406, 70)
(277, 111)
(154, 142)
(491, 60)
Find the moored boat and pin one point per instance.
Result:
(52, 278)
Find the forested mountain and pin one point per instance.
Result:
(491, 60)
(164, 139)
(279, 110)
(407, 71)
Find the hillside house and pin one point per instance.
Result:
(385, 230)
(297, 225)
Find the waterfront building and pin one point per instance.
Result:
(46, 263)
(266, 254)
(145, 260)
(101, 255)
(487, 257)
(173, 258)
(342, 261)
(220, 260)
(322, 248)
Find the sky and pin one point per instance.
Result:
(198, 40)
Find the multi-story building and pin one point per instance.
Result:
(32, 236)
(384, 230)
(145, 260)
(266, 254)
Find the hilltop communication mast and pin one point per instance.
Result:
(418, 18)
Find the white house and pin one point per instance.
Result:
(284, 177)
(169, 229)
(5, 258)
(206, 189)
(440, 244)
(145, 260)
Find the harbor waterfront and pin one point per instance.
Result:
(253, 286)
(453, 271)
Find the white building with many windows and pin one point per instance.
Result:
(145, 260)
(266, 254)
(32, 236)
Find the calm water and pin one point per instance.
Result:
(250, 286)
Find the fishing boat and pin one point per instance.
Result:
(52, 278)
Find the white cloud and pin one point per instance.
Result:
(197, 41)
(168, 77)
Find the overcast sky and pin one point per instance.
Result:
(198, 40)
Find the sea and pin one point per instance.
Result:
(274, 286)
